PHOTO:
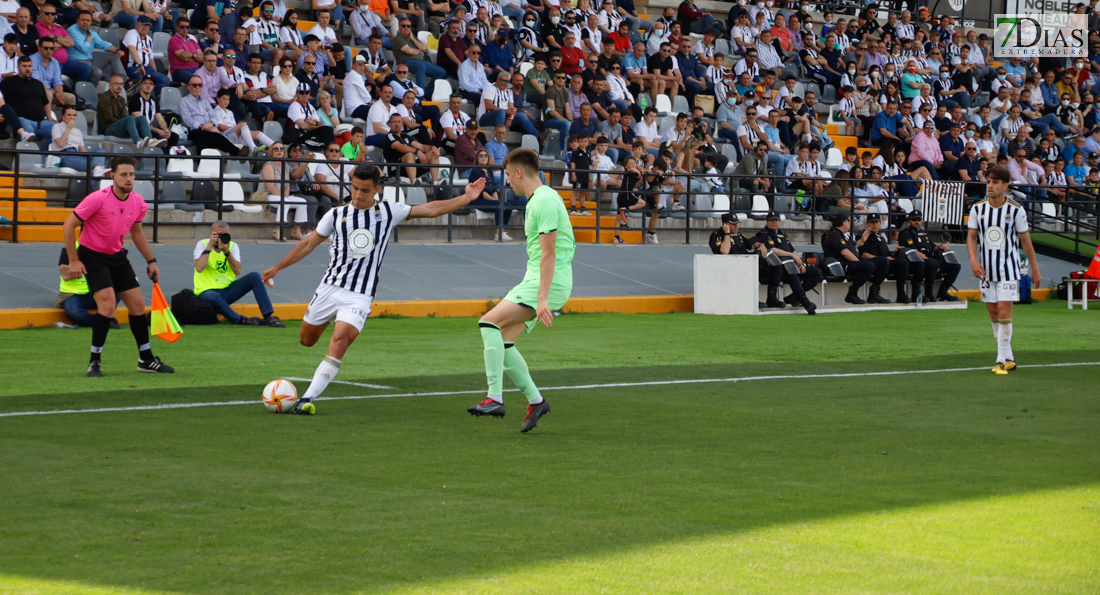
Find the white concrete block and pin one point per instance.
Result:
(726, 284)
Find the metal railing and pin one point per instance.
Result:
(1074, 219)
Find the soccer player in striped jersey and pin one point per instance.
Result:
(360, 233)
(545, 287)
(998, 227)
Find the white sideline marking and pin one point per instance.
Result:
(574, 387)
(381, 386)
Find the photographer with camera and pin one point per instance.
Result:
(217, 264)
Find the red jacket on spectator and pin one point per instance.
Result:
(571, 60)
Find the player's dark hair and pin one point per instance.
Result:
(356, 130)
(123, 160)
(1000, 174)
(525, 159)
(367, 172)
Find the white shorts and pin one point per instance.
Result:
(999, 291)
(336, 303)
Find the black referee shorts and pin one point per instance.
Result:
(107, 270)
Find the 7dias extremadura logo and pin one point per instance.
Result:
(1040, 35)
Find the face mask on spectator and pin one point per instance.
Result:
(945, 75)
(911, 70)
(530, 23)
(969, 134)
(1065, 103)
(555, 20)
(731, 101)
(852, 71)
(748, 102)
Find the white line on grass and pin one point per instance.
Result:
(364, 385)
(574, 387)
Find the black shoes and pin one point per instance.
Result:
(811, 308)
(946, 297)
(534, 412)
(875, 297)
(853, 298)
(902, 298)
(93, 370)
(249, 321)
(272, 321)
(155, 366)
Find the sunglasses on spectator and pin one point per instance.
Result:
(230, 57)
(273, 149)
(310, 63)
(182, 27)
(332, 150)
(199, 85)
(48, 14)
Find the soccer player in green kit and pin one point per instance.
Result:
(545, 287)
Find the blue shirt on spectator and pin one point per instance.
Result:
(1078, 173)
(956, 146)
(884, 121)
(627, 4)
(47, 74)
(498, 57)
(497, 150)
(82, 48)
(578, 127)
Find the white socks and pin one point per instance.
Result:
(265, 139)
(328, 369)
(1002, 331)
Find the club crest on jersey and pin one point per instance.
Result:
(994, 236)
(361, 242)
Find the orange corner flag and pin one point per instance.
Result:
(164, 325)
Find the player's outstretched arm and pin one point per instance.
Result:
(972, 247)
(300, 251)
(1029, 251)
(442, 207)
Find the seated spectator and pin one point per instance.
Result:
(198, 117)
(333, 9)
(332, 177)
(498, 56)
(408, 50)
(48, 26)
(279, 189)
(48, 71)
(217, 265)
(401, 83)
(264, 33)
(471, 76)
(114, 119)
(400, 147)
(467, 147)
(755, 163)
(139, 59)
(378, 118)
(365, 24)
(305, 126)
(68, 140)
(355, 149)
(453, 123)
(184, 53)
(145, 105)
(237, 132)
(86, 41)
(496, 107)
(490, 196)
(357, 98)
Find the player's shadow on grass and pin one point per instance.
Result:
(374, 495)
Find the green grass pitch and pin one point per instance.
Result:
(939, 482)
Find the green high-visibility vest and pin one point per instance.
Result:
(76, 286)
(217, 274)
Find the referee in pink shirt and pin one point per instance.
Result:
(107, 215)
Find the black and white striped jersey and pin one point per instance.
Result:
(359, 238)
(998, 239)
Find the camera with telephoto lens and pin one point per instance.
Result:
(224, 239)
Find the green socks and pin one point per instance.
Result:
(516, 367)
(494, 359)
(503, 357)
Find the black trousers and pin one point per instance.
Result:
(950, 273)
(883, 266)
(211, 140)
(799, 283)
(318, 138)
(925, 274)
(862, 271)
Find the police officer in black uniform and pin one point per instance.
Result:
(874, 246)
(729, 240)
(772, 239)
(915, 237)
(839, 245)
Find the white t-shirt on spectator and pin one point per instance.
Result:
(458, 124)
(500, 99)
(379, 114)
(259, 82)
(326, 35)
(297, 111)
(75, 140)
(649, 133)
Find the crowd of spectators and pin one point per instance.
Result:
(926, 95)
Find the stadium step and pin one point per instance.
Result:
(35, 233)
(33, 213)
(24, 194)
(843, 142)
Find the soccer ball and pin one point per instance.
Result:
(280, 396)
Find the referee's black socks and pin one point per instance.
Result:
(139, 325)
(100, 325)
